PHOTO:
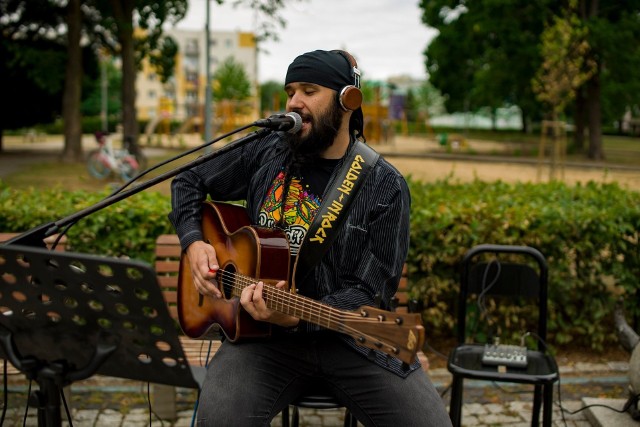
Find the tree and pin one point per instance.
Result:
(566, 64)
(34, 21)
(486, 52)
(231, 82)
(272, 98)
(31, 83)
(614, 37)
(118, 18)
(73, 85)
(117, 21)
(92, 103)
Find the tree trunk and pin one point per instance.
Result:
(595, 118)
(73, 85)
(579, 120)
(125, 37)
(525, 121)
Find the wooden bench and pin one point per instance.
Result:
(167, 265)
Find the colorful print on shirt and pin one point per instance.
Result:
(300, 208)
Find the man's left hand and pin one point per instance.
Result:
(252, 300)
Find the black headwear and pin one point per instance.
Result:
(330, 69)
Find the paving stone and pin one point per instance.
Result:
(474, 408)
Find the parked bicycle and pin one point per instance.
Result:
(107, 160)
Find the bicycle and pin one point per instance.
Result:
(106, 160)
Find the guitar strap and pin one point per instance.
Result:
(333, 210)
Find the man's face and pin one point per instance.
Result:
(321, 117)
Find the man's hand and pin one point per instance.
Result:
(204, 265)
(252, 300)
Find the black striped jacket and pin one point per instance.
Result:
(367, 256)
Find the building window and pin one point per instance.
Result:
(151, 94)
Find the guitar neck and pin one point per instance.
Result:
(396, 334)
(299, 306)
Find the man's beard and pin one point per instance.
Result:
(324, 130)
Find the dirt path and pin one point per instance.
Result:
(421, 158)
(423, 161)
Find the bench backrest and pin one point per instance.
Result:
(167, 265)
(62, 245)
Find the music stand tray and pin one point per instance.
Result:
(65, 316)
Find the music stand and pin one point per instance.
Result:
(66, 316)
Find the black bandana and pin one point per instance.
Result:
(321, 67)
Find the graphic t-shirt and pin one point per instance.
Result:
(302, 202)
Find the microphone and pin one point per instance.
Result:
(290, 122)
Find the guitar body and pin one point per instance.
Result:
(241, 250)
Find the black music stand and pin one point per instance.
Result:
(66, 316)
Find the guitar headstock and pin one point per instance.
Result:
(400, 335)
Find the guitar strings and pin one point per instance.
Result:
(309, 306)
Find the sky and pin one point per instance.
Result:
(386, 37)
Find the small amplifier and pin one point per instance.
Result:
(512, 356)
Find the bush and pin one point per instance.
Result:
(588, 233)
(128, 228)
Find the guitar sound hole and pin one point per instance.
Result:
(227, 280)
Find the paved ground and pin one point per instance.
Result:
(107, 401)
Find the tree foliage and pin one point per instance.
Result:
(272, 97)
(487, 54)
(231, 82)
(567, 63)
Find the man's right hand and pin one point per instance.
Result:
(204, 265)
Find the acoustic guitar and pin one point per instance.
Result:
(247, 254)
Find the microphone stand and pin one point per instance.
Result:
(35, 236)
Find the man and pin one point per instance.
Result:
(284, 179)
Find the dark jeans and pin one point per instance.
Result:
(248, 384)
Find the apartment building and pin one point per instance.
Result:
(183, 97)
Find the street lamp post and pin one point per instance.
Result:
(208, 110)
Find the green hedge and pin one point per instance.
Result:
(588, 233)
(126, 229)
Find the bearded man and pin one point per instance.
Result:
(288, 181)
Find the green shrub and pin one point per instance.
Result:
(588, 233)
(125, 229)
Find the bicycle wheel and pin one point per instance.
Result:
(96, 167)
(129, 168)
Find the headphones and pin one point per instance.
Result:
(350, 96)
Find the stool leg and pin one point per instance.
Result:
(548, 405)
(285, 416)
(349, 419)
(295, 418)
(455, 405)
(537, 405)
